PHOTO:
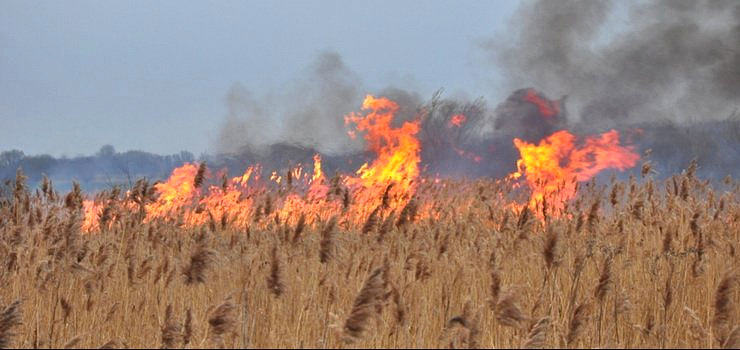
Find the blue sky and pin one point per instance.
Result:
(75, 75)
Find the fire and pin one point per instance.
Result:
(242, 180)
(318, 189)
(92, 212)
(317, 174)
(387, 183)
(547, 108)
(175, 194)
(457, 120)
(378, 189)
(397, 149)
(554, 166)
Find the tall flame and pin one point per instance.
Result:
(551, 168)
(386, 183)
(318, 188)
(554, 166)
(397, 149)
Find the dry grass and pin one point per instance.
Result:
(631, 264)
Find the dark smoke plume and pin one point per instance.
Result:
(627, 62)
(666, 72)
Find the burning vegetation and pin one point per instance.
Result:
(452, 227)
(386, 186)
(380, 257)
(388, 254)
(554, 167)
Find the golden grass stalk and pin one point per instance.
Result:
(10, 319)
(200, 261)
(222, 321)
(275, 280)
(537, 336)
(364, 305)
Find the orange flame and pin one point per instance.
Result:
(554, 166)
(318, 189)
(232, 203)
(547, 108)
(175, 194)
(397, 148)
(92, 212)
(317, 174)
(457, 120)
(551, 168)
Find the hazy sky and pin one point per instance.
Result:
(75, 75)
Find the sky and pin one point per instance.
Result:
(153, 76)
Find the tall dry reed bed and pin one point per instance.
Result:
(639, 263)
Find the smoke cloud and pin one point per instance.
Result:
(625, 63)
(667, 73)
(307, 113)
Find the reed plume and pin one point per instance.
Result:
(364, 306)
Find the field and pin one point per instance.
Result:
(637, 263)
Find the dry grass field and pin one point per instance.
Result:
(640, 263)
(514, 174)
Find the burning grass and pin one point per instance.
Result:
(650, 265)
(381, 258)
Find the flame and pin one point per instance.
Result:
(379, 187)
(242, 180)
(457, 120)
(387, 182)
(92, 211)
(397, 149)
(554, 166)
(224, 204)
(175, 194)
(317, 174)
(547, 108)
(318, 189)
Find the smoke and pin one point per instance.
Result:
(624, 63)
(668, 69)
(308, 113)
(279, 130)
(529, 116)
(667, 73)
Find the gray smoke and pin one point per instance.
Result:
(308, 113)
(409, 103)
(670, 69)
(623, 63)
